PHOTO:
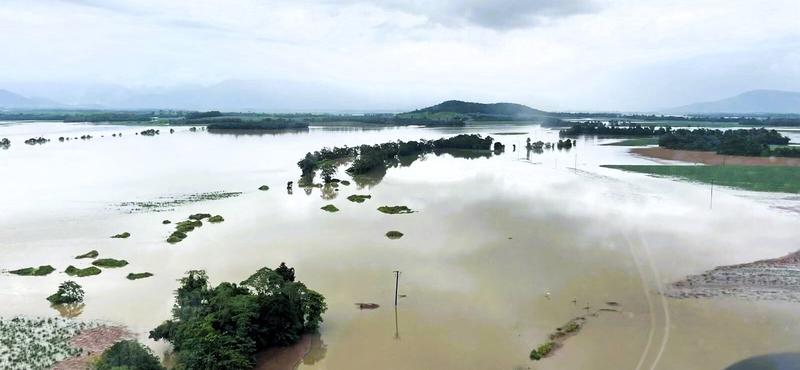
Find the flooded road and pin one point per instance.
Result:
(501, 251)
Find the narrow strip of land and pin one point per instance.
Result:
(712, 158)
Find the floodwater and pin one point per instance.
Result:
(490, 263)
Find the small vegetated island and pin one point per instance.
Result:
(366, 158)
(266, 124)
(225, 326)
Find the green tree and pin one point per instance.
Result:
(128, 355)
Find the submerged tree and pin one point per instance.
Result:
(223, 327)
(68, 292)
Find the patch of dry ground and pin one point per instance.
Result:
(712, 158)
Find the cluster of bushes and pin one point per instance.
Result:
(369, 157)
(565, 144)
(198, 115)
(127, 355)
(223, 327)
(150, 132)
(771, 121)
(265, 124)
(5, 143)
(614, 128)
(752, 142)
(110, 117)
(36, 140)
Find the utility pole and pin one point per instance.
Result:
(396, 284)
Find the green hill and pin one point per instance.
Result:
(457, 108)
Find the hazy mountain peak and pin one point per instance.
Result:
(753, 101)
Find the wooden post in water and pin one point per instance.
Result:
(396, 284)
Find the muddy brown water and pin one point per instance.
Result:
(492, 236)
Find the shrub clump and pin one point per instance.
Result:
(216, 219)
(128, 355)
(90, 254)
(124, 235)
(358, 198)
(235, 321)
(330, 208)
(34, 271)
(166, 222)
(89, 271)
(68, 292)
(263, 188)
(176, 237)
(110, 262)
(543, 350)
(199, 216)
(394, 234)
(395, 210)
(138, 275)
(186, 226)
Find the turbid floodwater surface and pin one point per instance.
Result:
(501, 250)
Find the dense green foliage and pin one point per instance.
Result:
(771, 121)
(355, 198)
(395, 210)
(128, 355)
(223, 327)
(109, 262)
(367, 158)
(752, 142)
(124, 235)
(265, 124)
(613, 128)
(394, 234)
(543, 350)
(90, 254)
(138, 275)
(216, 219)
(89, 271)
(330, 208)
(209, 114)
(68, 292)
(755, 178)
(34, 271)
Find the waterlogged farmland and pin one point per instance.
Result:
(504, 257)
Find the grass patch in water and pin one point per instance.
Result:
(186, 226)
(166, 222)
(263, 188)
(358, 198)
(90, 254)
(89, 271)
(34, 271)
(330, 208)
(168, 203)
(124, 235)
(176, 237)
(543, 350)
(215, 219)
(138, 275)
(110, 262)
(395, 210)
(199, 216)
(755, 178)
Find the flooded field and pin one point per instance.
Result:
(502, 249)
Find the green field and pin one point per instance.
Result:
(756, 178)
(643, 141)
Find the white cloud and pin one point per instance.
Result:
(599, 54)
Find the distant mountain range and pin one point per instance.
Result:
(9, 99)
(754, 101)
(493, 109)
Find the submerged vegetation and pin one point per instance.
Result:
(369, 158)
(394, 234)
(68, 292)
(235, 321)
(165, 204)
(263, 188)
(90, 254)
(138, 275)
(37, 343)
(756, 178)
(34, 271)
(215, 219)
(5, 143)
(109, 263)
(330, 208)
(358, 198)
(89, 271)
(124, 235)
(395, 210)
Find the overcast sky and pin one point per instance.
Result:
(551, 54)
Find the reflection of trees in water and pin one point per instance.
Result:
(237, 133)
(371, 178)
(329, 191)
(465, 153)
(317, 351)
(69, 310)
